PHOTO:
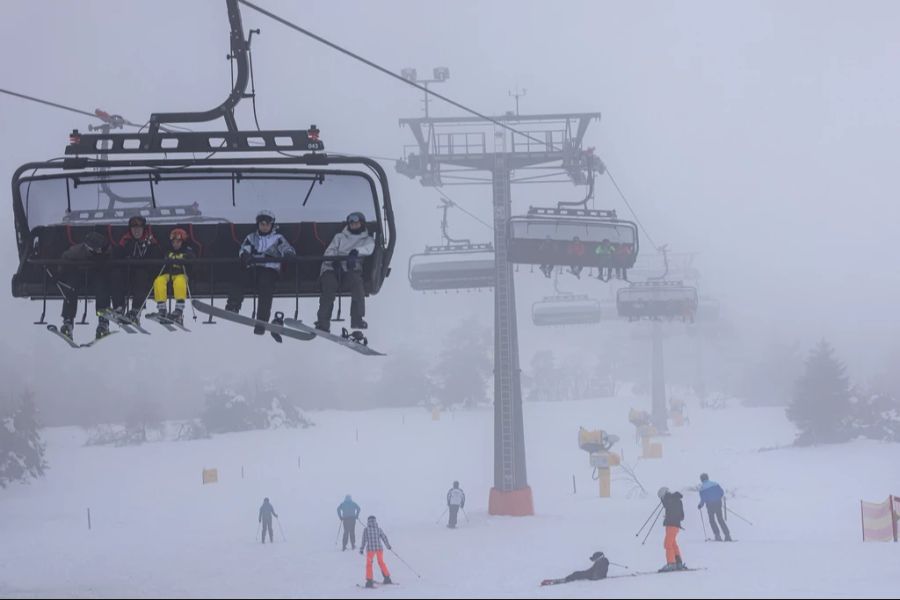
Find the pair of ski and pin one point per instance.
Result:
(54, 330)
(165, 321)
(127, 325)
(375, 586)
(124, 323)
(635, 574)
(292, 328)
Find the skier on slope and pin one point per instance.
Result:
(674, 510)
(597, 570)
(266, 512)
(348, 513)
(456, 499)
(372, 536)
(711, 494)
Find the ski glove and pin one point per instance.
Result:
(389, 547)
(245, 259)
(699, 506)
(353, 260)
(360, 551)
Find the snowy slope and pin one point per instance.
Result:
(158, 532)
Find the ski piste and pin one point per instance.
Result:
(166, 322)
(72, 343)
(237, 318)
(127, 325)
(344, 340)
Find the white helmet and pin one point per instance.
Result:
(662, 492)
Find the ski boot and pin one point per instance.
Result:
(679, 564)
(102, 328)
(358, 324)
(278, 320)
(370, 583)
(718, 538)
(133, 316)
(323, 326)
(259, 330)
(177, 316)
(668, 567)
(387, 580)
(728, 538)
(67, 326)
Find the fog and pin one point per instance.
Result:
(761, 136)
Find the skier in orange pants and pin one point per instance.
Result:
(674, 509)
(371, 544)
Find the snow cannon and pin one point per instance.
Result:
(597, 444)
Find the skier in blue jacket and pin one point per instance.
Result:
(711, 494)
(348, 513)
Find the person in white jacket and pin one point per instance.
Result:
(354, 242)
(260, 276)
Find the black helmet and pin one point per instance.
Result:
(95, 242)
(704, 477)
(371, 519)
(137, 221)
(265, 215)
(456, 484)
(356, 217)
(597, 555)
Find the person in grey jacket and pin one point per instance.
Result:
(354, 242)
(264, 242)
(266, 512)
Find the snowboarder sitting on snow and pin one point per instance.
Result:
(98, 275)
(266, 512)
(711, 494)
(456, 499)
(674, 509)
(372, 536)
(348, 513)
(176, 273)
(265, 241)
(355, 242)
(597, 570)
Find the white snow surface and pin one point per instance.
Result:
(157, 532)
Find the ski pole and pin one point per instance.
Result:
(465, 514)
(441, 518)
(258, 525)
(405, 563)
(702, 522)
(338, 536)
(651, 527)
(281, 529)
(658, 506)
(618, 565)
(740, 517)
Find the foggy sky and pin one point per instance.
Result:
(761, 135)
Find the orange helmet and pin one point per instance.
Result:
(178, 234)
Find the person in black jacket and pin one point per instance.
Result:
(597, 570)
(138, 244)
(266, 512)
(674, 515)
(95, 250)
